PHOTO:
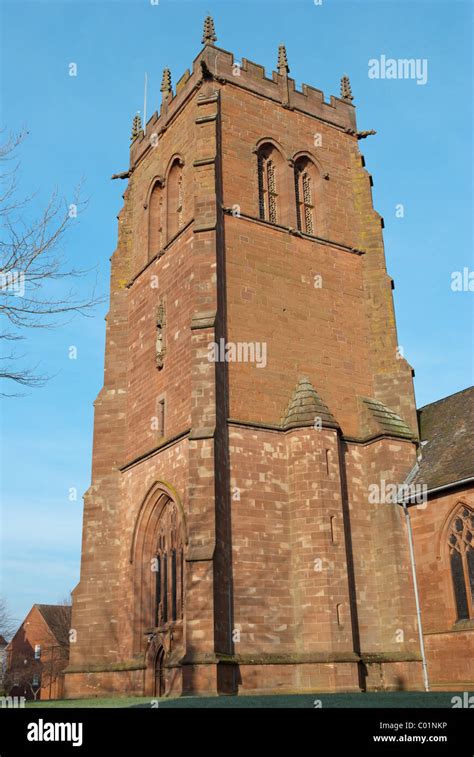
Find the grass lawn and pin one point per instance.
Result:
(396, 699)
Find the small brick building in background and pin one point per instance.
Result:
(253, 393)
(38, 653)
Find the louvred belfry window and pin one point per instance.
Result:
(175, 199)
(267, 185)
(304, 196)
(155, 221)
(461, 554)
(180, 208)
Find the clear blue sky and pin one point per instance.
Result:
(80, 127)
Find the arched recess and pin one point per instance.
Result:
(308, 194)
(155, 206)
(155, 672)
(459, 543)
(272, 182)
(175, 197)
(273, 143)
(157, 563)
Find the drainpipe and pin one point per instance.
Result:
(417, 599)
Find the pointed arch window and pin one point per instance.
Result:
(170, 569)
(180, 208)
(175, 199)
(304, 193)
(461, 556)
(267, 167)
(157, 587)
(155, 220)
(174, 587)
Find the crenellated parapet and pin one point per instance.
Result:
(214, 64)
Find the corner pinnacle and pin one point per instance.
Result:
(136, 127)
(209, 33)
(282, 66)
(166, 89)
(346, 91)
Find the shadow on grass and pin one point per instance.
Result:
(390, 700)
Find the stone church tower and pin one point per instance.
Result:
(253, 398)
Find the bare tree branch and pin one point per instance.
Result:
(7, 621)
(32, 259)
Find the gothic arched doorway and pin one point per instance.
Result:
(157, 557)
(160, 685)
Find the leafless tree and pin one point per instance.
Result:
(7, 622)
(23, 674)
(55, 650)
(62, 627)
(32, 259)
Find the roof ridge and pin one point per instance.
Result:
(448, 397)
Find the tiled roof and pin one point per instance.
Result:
(58, 618)
(447, 427)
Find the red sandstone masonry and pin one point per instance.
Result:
(257, 615)
(449, 645)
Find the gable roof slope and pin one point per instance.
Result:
(447, 427)
(58, 618)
